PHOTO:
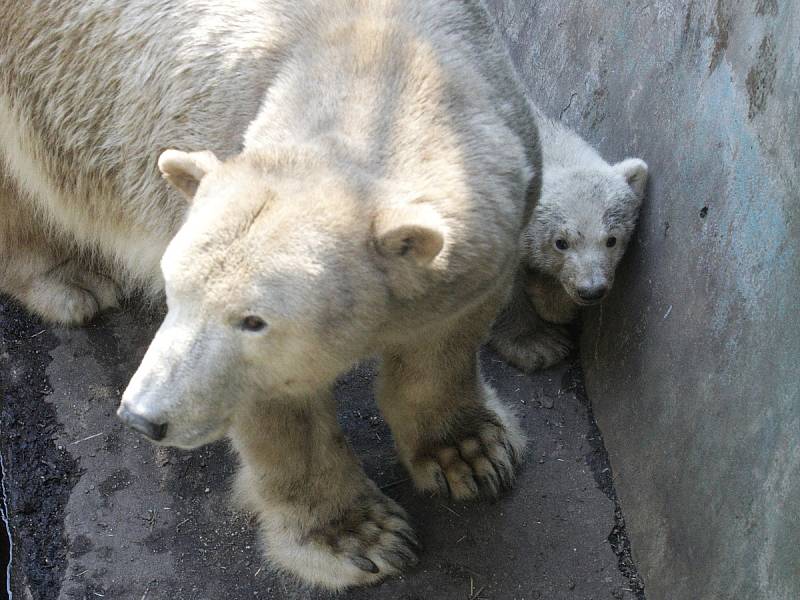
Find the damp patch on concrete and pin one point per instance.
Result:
(39, 473)
(760, 80)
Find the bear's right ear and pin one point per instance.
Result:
(634, 170)
(184, 170)
(412, 231)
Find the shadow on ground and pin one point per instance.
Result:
(97, 512)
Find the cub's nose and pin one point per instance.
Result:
(155, 431)
(589, 294)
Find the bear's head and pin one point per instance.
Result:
(582, 224)
(279, 279)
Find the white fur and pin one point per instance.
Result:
(585, 203)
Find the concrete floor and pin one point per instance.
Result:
(97, 512)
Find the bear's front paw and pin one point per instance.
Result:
(480, 460)
(368, 542)
(533, 352)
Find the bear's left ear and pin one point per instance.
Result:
(412, 232)
(634, 171)
(184, 170)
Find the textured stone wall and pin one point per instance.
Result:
(693, 364)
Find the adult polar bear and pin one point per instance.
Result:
(377, 164)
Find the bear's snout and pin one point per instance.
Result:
(140, 423)
(592, 293)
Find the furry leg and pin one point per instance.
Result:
(40, 273)
(524, 339)
(452, 433)
(322, 519)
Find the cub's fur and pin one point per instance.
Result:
(578, 234)
(350, 178)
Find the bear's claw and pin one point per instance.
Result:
(365, 564)
(480, 464)
(370, 541)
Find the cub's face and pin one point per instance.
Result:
(274, 287)
(581, 227)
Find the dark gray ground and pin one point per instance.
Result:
(98, 512)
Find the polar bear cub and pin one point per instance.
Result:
(577, 236)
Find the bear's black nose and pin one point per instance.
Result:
(155, 431)
(592, 293)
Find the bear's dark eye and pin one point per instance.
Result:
(562, 244)
(252, 323)
(611, 242)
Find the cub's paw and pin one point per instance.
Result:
(532, 352)
(368, 542)
(104, 290)
(72, 300)
(478, 457)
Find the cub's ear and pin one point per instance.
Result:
(634, 171)
(184, 170)
(412, 232)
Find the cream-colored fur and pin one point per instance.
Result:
(577, 236)
(350, 178)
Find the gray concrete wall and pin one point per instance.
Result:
(692, 364)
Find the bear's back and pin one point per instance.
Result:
(91, 93)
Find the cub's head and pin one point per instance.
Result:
(583, 222)
(276, 283)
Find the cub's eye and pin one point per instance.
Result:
(562, 244)
(611, 242)
(252, 323)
